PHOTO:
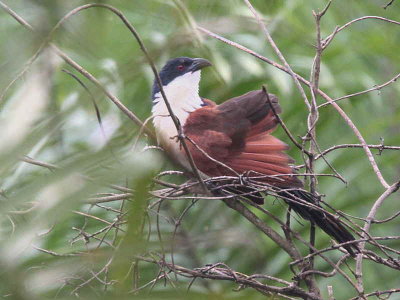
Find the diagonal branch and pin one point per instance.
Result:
(371, 216)
(278, 53)
(225, 273)
(114, 99)
(348, 121)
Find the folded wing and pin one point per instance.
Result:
(237, 134)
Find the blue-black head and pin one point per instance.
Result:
(177, 67)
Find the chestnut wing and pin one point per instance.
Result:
(237, 134)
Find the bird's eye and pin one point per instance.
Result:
(180, 67)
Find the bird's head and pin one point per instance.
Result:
(180, 74)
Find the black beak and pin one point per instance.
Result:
(199, 63)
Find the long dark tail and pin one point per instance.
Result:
(293, 198)
(323, 220)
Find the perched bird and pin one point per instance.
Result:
(231, 139)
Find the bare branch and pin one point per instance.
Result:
(375, 88)
(278, 53)
(388, 4)
(348, 121)
(392, 189)
(230, 275)
(361, 19)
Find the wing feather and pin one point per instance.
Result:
(271, 157)
(237, 133)
(267, 167)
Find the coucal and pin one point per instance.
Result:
(233, 138)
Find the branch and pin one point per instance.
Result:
(278, 53)
(388, 4)
(371, 216)
(375, 88)
(74, 64)
(348, 121)
(360, 19)
(249, 215)
(99, 85)
(228, 274)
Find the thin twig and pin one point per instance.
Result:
(371, 216)
(375, 88)
(361, 19)
(388, 4)
(278, 53)
(348, 121)
(226, 274)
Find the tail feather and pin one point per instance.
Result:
(323, 220)
(293, 198)
(250, 193)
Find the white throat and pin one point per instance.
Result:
(183, 96)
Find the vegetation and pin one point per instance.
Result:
(82, 206)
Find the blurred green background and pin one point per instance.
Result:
(48, 116)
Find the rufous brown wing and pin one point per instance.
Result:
(237, 134)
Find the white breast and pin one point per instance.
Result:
(183, 95)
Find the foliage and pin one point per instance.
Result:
(63, 236)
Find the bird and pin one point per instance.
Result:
(233, 139)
